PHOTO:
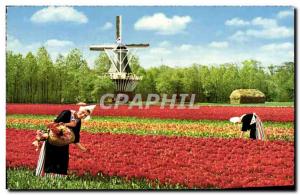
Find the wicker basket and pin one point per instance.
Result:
(58, 140)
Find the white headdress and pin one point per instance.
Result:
(90, 108)
(235, 119)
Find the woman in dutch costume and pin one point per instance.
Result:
(252, 122)
(54, 154)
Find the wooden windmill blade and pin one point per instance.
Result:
(119, 29)
(119, 35)
(140, 45)
(102, 47)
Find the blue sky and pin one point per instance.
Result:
(178, 35)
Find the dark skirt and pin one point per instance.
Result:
(253, 133)
(56, 159)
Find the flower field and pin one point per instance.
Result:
(161, 127)
(198, 163)
(282, 114)
(173, 150)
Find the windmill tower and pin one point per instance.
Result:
(119, 56)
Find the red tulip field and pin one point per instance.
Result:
(281, 114)
(157, 149)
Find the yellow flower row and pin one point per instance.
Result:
(228, 129)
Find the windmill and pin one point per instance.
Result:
(120, 56)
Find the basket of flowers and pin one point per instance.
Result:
(56, 133)
(60, 135)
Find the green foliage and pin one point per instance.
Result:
(36, 79)
(282, 83)
(266, 104)
(166, 81)
(148, 84)
(136, 67)
(102, 85)
(215, 83)
(14, 74)
(102, 63)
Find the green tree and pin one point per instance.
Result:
(168, 81)
(35, 79)
(102, 85)
(14, 74)
(77, 74)
(45, 65)
(102, 64)
(86, 83)
(61, 76)
(148, 84)
(31, 78)
(231, 80)
(135, 66)
(282, 82)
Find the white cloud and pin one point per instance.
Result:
(164, 44)
(258, 21)
(284, 14)
(201, 54)
(219, 45)
(291, 54)
(271, 33)
(175, 55)
(236, 22)
(185, 47)
(278, 47)
(56, 47)
(13, 43)
(58, 43)
(239, 36)
(160, 23)
(270, 29)
(160, 50)
(53, 46)
(265, 28)
(32, 46)
(264, 22)
(107, 26)
(58, 14)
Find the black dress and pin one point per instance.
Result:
(57, 157)
(246, 120)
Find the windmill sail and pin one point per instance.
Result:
(120, 71)
(119, 29)
(101, 47)
(140, 45)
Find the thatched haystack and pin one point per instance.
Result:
(244, 96)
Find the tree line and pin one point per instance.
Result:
(36, 78)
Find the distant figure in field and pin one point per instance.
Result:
(250, 122)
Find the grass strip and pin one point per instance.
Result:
(24, 179)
